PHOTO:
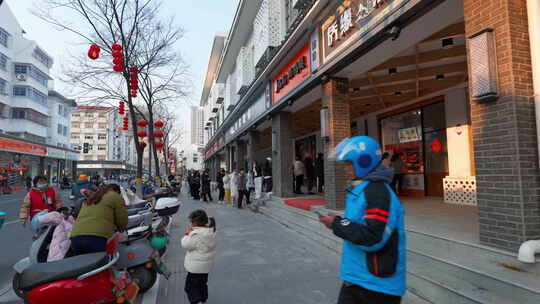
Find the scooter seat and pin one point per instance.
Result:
(68, 268)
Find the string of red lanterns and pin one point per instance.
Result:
(133, 80)
(122, 108)
(158, 134)
(118, 58)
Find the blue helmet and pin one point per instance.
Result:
(363, 152)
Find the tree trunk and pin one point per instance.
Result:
(133, 117)
(153, 140)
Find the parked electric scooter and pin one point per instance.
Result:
(84, 279)
(140, 252)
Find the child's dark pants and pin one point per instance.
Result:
(197, 287)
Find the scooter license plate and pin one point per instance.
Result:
(132, 290)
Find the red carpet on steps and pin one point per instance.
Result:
(305, 203)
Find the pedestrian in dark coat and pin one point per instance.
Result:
(319, 172)
(310, 173)
(206, 191)
(221, 185)
(196, 185)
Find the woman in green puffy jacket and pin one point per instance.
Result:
(100, 216)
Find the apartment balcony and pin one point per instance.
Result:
(26, 126)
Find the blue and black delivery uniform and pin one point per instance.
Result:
(373, 263)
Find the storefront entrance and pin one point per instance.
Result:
(419, 135)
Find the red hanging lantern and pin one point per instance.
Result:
(116, 47)
(436, 145)
(159, 124)
(117, 54)
(118, 60)
(118, 68)
(142, 123)
(133, 93)
(134, 70)
(159, 145)
(158, 134)
(142, 144)
(126, 123)
(121, 108)
(93, 52)
(141, 134)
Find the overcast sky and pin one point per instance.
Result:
(201, 19)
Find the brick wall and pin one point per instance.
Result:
(282, 159)
(335, 97)
(504, 132)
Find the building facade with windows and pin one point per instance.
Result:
(438, 83)
(34, 120)
(105, 149)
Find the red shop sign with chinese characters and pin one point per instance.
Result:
(292, 75)
(22, 147)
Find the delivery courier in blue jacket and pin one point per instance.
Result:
(373, 229)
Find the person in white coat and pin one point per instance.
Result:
(200, 244)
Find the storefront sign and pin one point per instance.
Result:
(294, 73)
(72, 156)
(22, 147)
(350, 17)
(101, 166)
(408, 135)
(314, 51)
(56, 153)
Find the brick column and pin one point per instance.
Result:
(504, 134)
(282, 159)
(254, 139)
(335, 97)
(240, 154)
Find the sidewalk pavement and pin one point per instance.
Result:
(258, 261)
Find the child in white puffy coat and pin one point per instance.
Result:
(200, 244)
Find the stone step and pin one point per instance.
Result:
(440, 270)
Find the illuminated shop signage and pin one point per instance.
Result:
(292, 75)
(351, 17)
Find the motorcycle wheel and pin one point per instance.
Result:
(145, 278)
(15, 284)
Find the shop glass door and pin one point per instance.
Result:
(435, 148)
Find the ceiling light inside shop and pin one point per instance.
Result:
(392, 71)
(439, 77)
(447, 43)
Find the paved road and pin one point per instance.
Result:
(15, 242)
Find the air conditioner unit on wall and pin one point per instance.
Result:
(21, 77)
